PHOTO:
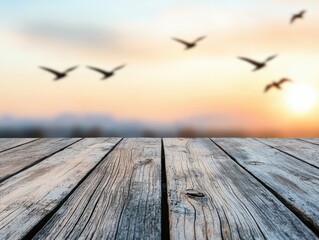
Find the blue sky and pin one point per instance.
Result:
(99, 14)
(104, 13)
(99, 11)
(91, 11)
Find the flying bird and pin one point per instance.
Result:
(276, 84)
(258, 65)
(189, 45)
(58, 75)
(297, 16)
(106, 74)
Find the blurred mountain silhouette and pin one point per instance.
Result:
(70, 125)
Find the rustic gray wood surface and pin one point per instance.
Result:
(9, 143)
(292, 180)
(27, 197)
(311, 140)
(144, 188)
(121, 199)
(19, 158)
(225, 201)
(306, 152)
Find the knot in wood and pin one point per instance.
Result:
(194, 193)
(146, 161)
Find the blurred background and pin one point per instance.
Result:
(164, 91)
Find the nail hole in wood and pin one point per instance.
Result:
(255, 163)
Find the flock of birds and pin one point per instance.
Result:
(60, 75)
(188, 45)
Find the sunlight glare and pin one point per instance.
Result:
(301, 98)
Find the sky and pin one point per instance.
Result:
(163, 83)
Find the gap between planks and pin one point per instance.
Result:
(10, 143)
(20, 158)
(292, 181)
(165, 234)
(164, 199)
(47, 218)
(46, 226)
(121, 199)
(224, 206)
(29, 196)
(293, 149)
(314, 141)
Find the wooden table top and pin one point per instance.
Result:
(152, 188)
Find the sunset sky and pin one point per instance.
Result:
(162, 82)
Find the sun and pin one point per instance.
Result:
(301, 98)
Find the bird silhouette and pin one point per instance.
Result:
(189, 45)
(258, 65)
(58, 75)
(276, 84)
(106, 74)
(299, 15)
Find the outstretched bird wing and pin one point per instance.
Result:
(284, 80)
(200, 38)
(296, 16)
(118, 68)
(250, 61)
(71, 69)
(98, 70)
(271, 58)
(50, 70)
(268, 87)
(181, 41)
(293, 18)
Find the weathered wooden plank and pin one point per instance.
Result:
(121, 199)
(9, 143)
(306, 152)
(20, 158)
(29, 196)
(234, 205)
(311, 140)
(293, 181)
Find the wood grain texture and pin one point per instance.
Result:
(121, 199)
(9, 143)
(311, 140)
(294, 181)
(306, 152)
(29, 196)
(235, 205)
(19, 158)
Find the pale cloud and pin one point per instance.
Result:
(71, 34)
(228, 32)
